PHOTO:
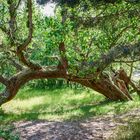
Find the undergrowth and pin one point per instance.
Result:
(7, 132)
(129, 132)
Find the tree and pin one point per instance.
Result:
(81, 44)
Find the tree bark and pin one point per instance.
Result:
(106, 87)
(103, 85)
(23, 77)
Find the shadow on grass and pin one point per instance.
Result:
(60, 104)
(35, 112)
(8, 118)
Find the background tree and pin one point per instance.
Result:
(82, 44)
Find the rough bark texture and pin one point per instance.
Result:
(103, 85)
(21, 78)
(106, 87)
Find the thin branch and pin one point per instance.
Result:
(114, 53)
(63, 65)
(89, 48)
(127, 61)
(131, 70)
(119, 35)
(30, 27)
(137, 89)
(91, 21)
(133, 66)
(3, 80)
(17, 65)
(18, 4)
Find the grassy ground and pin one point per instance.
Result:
(61, 104)
(129, 132)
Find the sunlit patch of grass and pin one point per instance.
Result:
(62, 104)
(18, 106)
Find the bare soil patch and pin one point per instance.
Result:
(98, 128)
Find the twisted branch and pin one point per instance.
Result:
(23, 46)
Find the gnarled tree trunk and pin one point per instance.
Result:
(14, 84)
(107, 87)
(114, 90)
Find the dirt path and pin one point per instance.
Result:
(91, 129)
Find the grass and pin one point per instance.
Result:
(61, 104)
(129, 132)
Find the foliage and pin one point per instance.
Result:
(44, 84)
(86, 37)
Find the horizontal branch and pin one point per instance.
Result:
(53, 57)
(46, 72)
(19, 79)
(127, 61)
(91, 21)
(115, 53)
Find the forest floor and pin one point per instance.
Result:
(98, 128)
(67, 114)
